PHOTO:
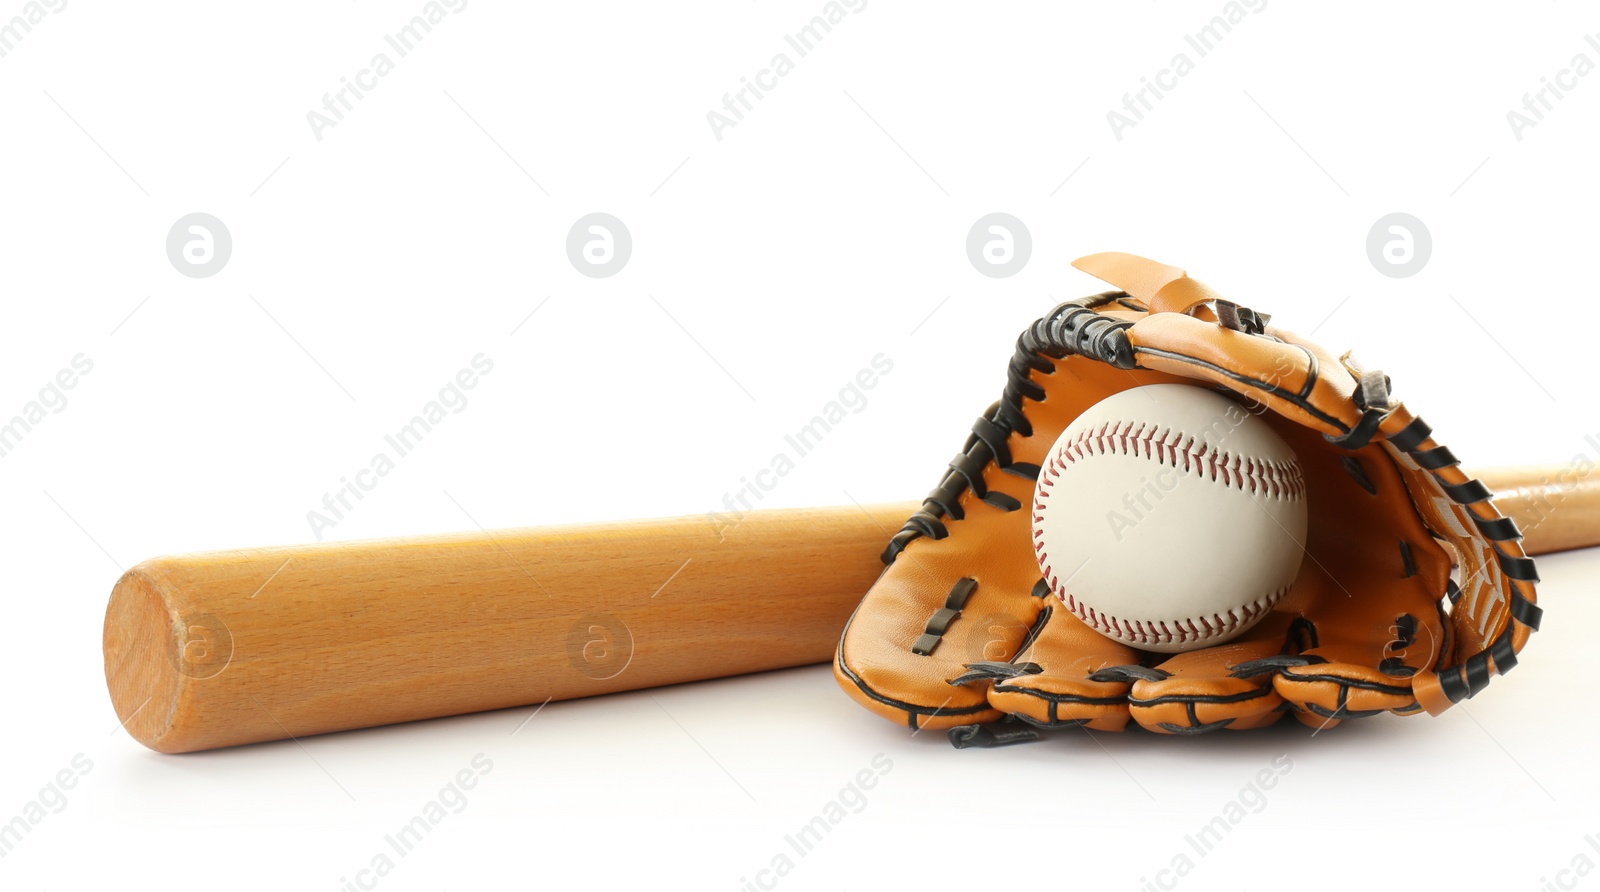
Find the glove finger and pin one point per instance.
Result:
(906, 649)
(1213, 688)
(1370, 591)
(1064, 680)
(1361, 658)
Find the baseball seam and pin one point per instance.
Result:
(1180, 631)
(1280, 480)
(1176, 449)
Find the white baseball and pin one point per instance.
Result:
(1170, 518)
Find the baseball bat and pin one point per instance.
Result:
(233, 647)
(1557, 507)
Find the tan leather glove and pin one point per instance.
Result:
(960, 632)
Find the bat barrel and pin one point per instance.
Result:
(1557, 507)
(212, 650)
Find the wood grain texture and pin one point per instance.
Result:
(1557, 507)
(234, 647)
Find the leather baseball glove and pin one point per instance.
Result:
(1413, 593)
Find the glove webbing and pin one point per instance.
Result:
(1073, 328)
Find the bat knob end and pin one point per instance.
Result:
(144, 643)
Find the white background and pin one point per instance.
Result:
(768, 267)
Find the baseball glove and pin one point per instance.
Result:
(1414, 590)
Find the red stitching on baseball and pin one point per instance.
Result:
(1277, 479)
(1181, 631)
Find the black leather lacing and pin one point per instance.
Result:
(1471, 675)
(1071, 328)
(1005, 732)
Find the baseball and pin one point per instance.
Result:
(1170, 518)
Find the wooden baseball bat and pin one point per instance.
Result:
(1557, 507)
(233, 647)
